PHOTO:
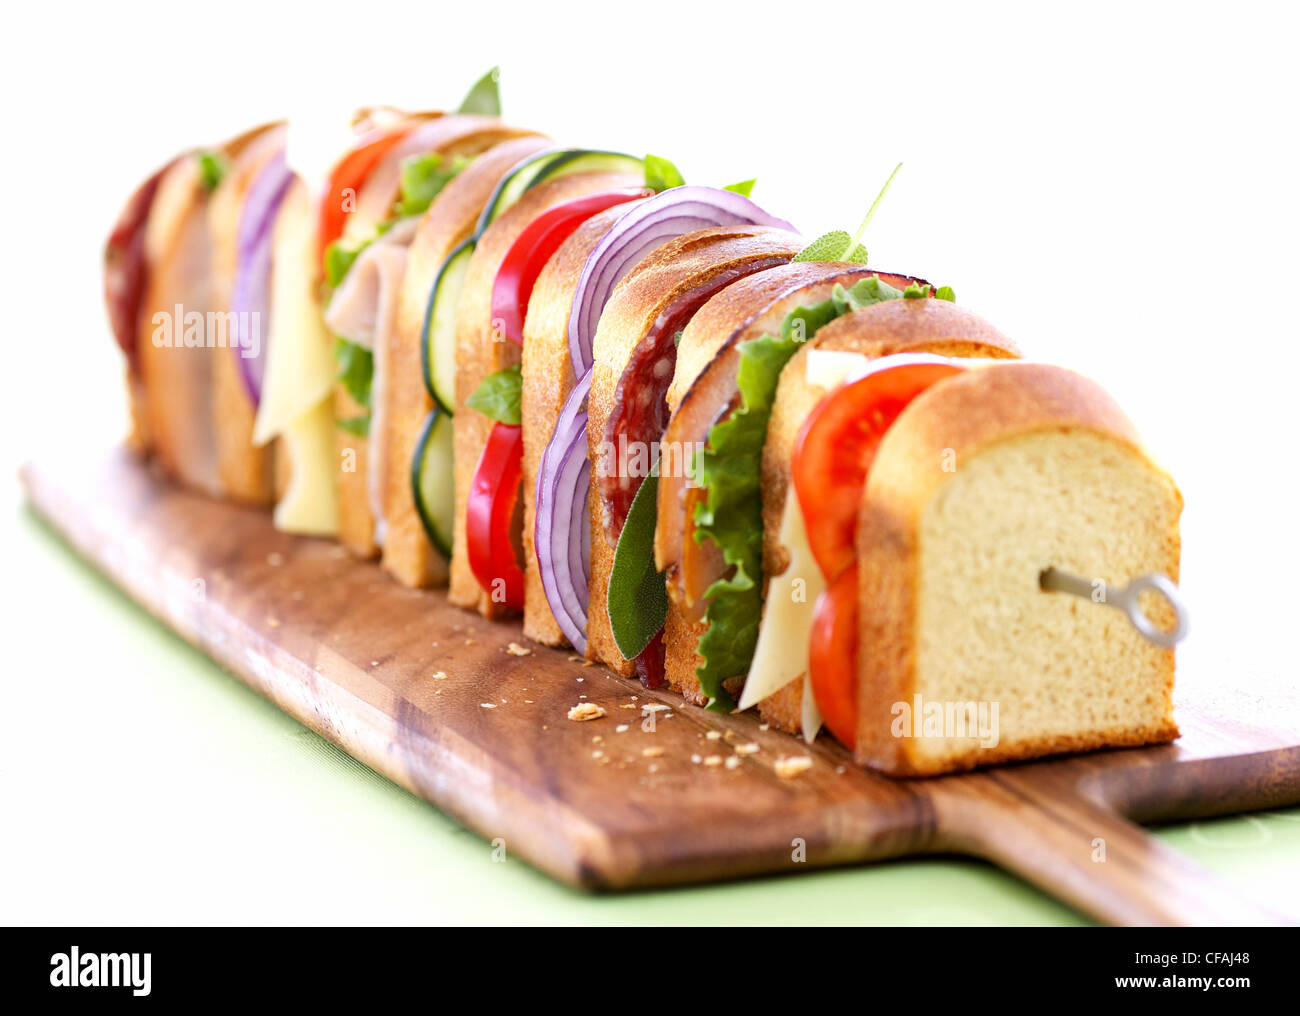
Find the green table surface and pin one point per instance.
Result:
(148, 785)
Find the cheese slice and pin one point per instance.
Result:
(299, 376)
(830, 368)
(310, 503)
(781, 654)
(299, 365)
(810, 714)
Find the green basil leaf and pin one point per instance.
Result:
(212, 167)
(638, 597)
(500, 396)
(660, 174)
(833, 246)
(484, 97)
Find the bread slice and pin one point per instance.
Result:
(480, 352)
(896, 326)
(363, 489)
(985, 480)
(246, 471)
(548, 379)
(679, 269)
(407, 553)
(176, 353)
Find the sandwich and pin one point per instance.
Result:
(653, 421)
(563, 314)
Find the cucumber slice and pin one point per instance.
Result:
(513, 184)
(433, 480)
(550, 166)
(438, 343)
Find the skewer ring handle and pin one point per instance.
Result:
(1127, 600)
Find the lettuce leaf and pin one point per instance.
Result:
(729, 469)
(356, 372)
(423, 178)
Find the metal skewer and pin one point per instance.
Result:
(1125, 599)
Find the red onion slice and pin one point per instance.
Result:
(250, 297)
(562, 535)
(648, 225)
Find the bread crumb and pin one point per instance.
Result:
(487, 705)
(622, 728)
(597, 754)
(273, 622)
(596, 739)
(654, 767)
(714, 735)
(654, 707)
(789, 766)
(733, 761)
(713, 760)
(440, 675)
(586, 711)
(515, 649)
(764, 726)
(654, 751)
(575, 659)
(697, 759)
(746, 749)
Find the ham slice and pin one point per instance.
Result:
(363, 310)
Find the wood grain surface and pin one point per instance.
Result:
(473, 718)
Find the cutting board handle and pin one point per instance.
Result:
(1078, 850)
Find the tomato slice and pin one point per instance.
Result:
(348, 175)
(837, 443)
(528, 255)
(833, 656)
(490, 516)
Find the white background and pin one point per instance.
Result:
(1114, 187)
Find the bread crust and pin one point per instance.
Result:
(478, 354)
(449, 136)
(667, 273)
(407, 553)
(896, 326)
(548, 379)
(965, 414)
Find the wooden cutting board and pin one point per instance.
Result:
(449, 706)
